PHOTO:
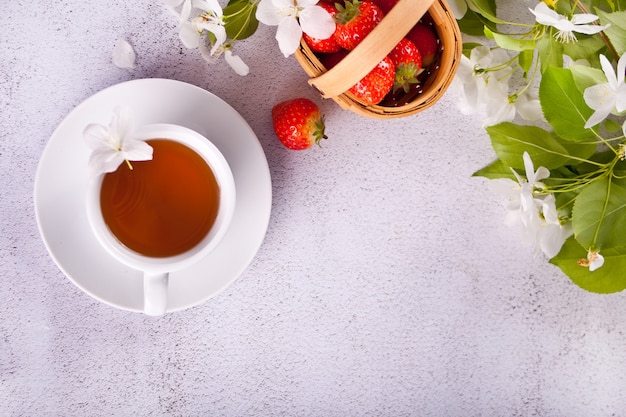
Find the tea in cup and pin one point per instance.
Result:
(165, 214)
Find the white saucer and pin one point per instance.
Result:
(61, 183)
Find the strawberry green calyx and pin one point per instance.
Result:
(406, 75)
(347, 12)
(318, 132)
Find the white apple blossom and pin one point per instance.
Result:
(609, 97)
(546, 16)
(473, 76)
(536, 216)
(210, 19)
(114, 144)
(294, 17)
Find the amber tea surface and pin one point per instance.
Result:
(161, 207)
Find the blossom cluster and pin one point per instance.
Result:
(555, 95)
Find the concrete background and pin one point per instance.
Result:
(387, 284)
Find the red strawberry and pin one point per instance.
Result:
(355, 20)
(329, 44)
(426, 41)
(376, 84)
(298, 123)
(408, 61)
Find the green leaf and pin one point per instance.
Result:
(510, 141)
(509, 42)
(610, 278)
(617, 31)
(467, 48)
(585, 77)
(487, 9)
(473, 24)
(240, 19)
(495, 170)
(550, 52)
(598, 215)
(563, 105)
(526, 59)
(587, 47)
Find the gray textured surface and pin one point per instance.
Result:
(387, 285)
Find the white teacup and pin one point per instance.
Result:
(156, 269)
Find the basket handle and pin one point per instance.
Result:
(360, 61)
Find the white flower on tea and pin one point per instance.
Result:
(594, 260)
(473, 76)
(113, 144)
(294, 17)
(546, 16)
(123, 54)
(609, 97)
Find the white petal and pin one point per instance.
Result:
(598, 116)
(122, 122)
(137, 150)
(458, 7)
(266, 13)
(185, 12)
(104, 160)
(220, 36)
(481, 56)
(621, 68)
(95, 135)
(529, 109)
(288, 35)
(609, 72)
(552, 239)
(600, 96)
(596, 263)
(189, 35)
(545, 15)
(317, 22)
(123, 54)
(583, 18)
(236, 63)
(211, 6)
(306, 3)
(589, 29)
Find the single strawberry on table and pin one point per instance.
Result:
(355, 20)
(376, 84)
(298, 123)
(408, 61)
(329, 44)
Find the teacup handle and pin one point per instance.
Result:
(155, 293)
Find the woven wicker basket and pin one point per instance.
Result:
(336, 82)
